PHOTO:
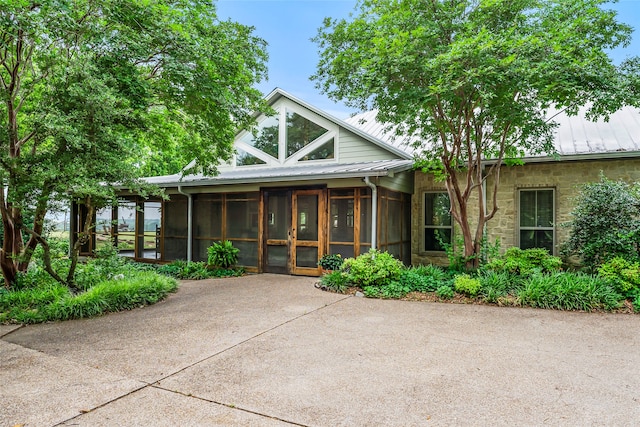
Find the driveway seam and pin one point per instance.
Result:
(156, 385)
(266, 331)
(228, 405)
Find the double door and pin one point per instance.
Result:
(293, 231)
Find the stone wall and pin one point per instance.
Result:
(565, 177)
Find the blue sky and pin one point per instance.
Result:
(288, 26)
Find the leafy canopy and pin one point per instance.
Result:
(470, 80)
(97, 93)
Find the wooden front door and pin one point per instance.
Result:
(294, 231)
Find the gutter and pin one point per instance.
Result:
(611, 155)
(189, 222)
(374, 211)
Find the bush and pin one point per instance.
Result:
(423, 278)
(467, 285)
(624, 275)
(445, 292)
(222, 254)
(185, 270)
(335, 281)
(374, 268)
(331, 262)
(605, 223)
(195, 270)
(525, 262)
(636, 304)
(498, 284)
(569, 291)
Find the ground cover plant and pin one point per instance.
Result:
(221, 262)
(107, 283)
(526, 278)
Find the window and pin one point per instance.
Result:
(437, 221)
(536, 228)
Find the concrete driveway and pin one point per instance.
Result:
(271, 350)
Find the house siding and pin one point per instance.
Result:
(564, 177)
(354, 149)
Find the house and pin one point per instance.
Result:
(307, 184)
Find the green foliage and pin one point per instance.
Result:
(394, 289)
(185, 270)
(605, 223)
(335, 281)
(423, 278)
(636, 304)
(374, 268)
(444, 72)
(195, 270)
(525, 262)
(569, 291)
(97, 94)
(459, 262)
(496, 285)
(445, 292)
(331, 262)
(48, 301)
(467, 285)
(623, 275)
(222, 254)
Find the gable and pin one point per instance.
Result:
(301, 135)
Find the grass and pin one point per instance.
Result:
(53, 301)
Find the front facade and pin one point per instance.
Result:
(303, 185)
(306, 184)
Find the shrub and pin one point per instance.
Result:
(498, 284)
(185, 270)
(569, 291)
(222, 254)
(624, 275)
(604, 223)
(331, 262)
(525, 262)
(467, 285)
(636, 303)
(335, 281)
(424, 278)
(445, 292)
(374, 268)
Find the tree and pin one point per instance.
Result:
(88, 86)
(472, 80)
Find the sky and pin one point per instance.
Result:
(288, 26)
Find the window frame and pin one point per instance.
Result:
(424, 226)
(520, 228)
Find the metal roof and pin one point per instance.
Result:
(258, 174)
(574, 136)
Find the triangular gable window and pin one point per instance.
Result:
(324, 152)
(301, 132)
(291, 135)
(266, 137)
(244, 159)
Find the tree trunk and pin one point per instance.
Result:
(83, 237)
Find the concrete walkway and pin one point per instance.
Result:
(271, 350)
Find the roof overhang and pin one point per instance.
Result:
(316, 172)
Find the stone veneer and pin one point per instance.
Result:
(564, 177)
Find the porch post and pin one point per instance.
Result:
(374, 211)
